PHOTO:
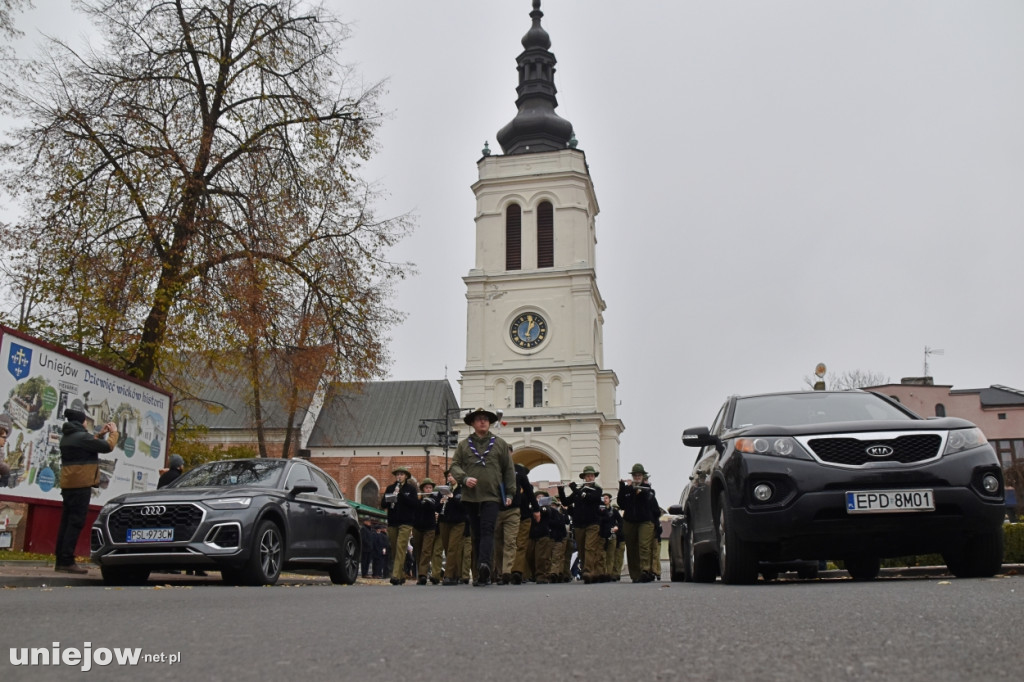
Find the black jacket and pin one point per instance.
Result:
(524, 497)
(366, 540)
(557, 525)
(78, 446)
(542, 529)
(607, 521)
(584, 503)
(402, 511)
(426, 513)
(637, 503)
(452, 510)
(168, 477)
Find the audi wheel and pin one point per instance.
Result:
(346, 571)
(266, 557)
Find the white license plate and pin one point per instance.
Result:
(883, 501)
(150, 535)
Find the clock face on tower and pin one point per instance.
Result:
(528, 330)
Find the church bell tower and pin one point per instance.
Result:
(534, 344)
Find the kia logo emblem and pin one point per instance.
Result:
(879, 450)
(153, 510)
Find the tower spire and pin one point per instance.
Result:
(536, 128)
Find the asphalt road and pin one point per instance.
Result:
(907, 629)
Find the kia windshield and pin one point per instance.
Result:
(814, 407)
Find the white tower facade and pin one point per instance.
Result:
(535, 320)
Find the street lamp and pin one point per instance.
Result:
(445, 434)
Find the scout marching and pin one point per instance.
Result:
(487, 525)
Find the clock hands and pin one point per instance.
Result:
(528, 330)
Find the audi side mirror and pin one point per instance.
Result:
(300, 488)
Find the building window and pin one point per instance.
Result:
(538, 393)
(1001, 415)
(519, 393)
(940, 410)
(513, 237)
(370, 494)
(1004, 451)
(545, 235)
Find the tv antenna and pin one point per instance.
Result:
(930, 351)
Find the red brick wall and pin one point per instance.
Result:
(349, 471)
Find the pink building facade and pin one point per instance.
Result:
(997, 410)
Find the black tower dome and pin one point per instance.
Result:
(536, 128)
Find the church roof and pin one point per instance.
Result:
(381, 414)
(216, 392)
(536, 128)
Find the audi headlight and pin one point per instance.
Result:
(109, 507)
(229, 503)
(778, 446)
(964, 439)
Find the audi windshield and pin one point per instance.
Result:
(813, 407)
(239, 473)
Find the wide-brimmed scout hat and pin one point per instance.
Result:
(400, 469)
(588, 470)
(491, 416)
(426, 481)
(638, 469)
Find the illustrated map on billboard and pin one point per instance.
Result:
(38, 383)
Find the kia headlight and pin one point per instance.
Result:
(964, 439)
(777, 446)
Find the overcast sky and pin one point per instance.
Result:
(781, 183)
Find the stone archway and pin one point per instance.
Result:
(532, 456)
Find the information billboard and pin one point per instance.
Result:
(38, 382)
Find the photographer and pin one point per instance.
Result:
(79, 473)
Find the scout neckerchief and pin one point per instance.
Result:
(482, 458)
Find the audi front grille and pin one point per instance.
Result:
(184, 518)
(853, 452)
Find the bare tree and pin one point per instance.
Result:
(195, 185)
(8, 31)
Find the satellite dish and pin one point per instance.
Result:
(819, 371)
